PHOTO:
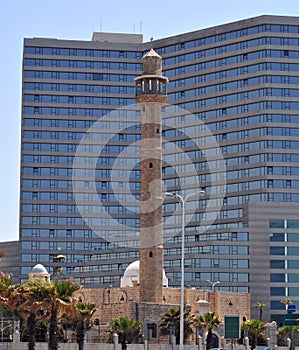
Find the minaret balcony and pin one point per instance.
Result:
(149, 85)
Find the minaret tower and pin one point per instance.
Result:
(151, 96)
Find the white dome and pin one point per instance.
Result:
(39, 268)
(131, 275)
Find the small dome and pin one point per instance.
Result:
(131, 275)
(39, 268)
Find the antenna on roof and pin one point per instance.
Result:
(151, 39)
(140, 27)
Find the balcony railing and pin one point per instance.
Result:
(146, 89)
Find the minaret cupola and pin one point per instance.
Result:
(151, 81)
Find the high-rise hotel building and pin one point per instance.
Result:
(231, 129)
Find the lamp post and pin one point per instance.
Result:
(183, 200)
(213, 284)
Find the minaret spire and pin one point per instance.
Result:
(151, 96)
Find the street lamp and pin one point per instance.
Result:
(213, 284)
(183, 200)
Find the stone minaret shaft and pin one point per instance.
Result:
(151, 95)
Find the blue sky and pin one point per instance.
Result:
(77, 19)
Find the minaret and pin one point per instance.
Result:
(151, 96)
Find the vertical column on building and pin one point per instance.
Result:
(151, 96)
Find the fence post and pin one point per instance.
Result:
(115, 340)
(199, 342)
(289, 343)
(172, 342)
(246, 343)
(16, 332)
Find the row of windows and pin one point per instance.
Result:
(289, 251)
(282, 237)
(282, 197)
(220, 236)
(209, 249)
(80, 234)
(200, 128)
(80, 124)
(135, 174)
(268, 157)
(223, 87)
(72, 221)
(279, 223)
(79, 100)
(97, 173)
(250, 146)
(208, 263)
(81, 52)
(233, 48)
(251, 56)
(199, 78)
(35, 62)
(80, 88)
(167, 135)
(47, 183)
(284, 28)
(45, 196)
(282, 264)
(282, 277)
(79, 76)
(88, 209)
(204, 276)
(227, 98)
(87, 160)
(64, 245)
(245, 108)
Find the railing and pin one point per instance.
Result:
(146, 89)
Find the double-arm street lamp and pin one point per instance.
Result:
(213, 284)
(183, 200)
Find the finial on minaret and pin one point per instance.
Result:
(151, 39)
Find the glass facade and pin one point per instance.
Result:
(231, 128)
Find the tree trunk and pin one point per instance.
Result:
(209, 339)
(80, 333)
(31, 325)
(53, 343)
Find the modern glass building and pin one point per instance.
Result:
(231, 128)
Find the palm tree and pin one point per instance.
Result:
(28, 303)
(59, 299)
(127, 330)
(255, 328)
(260, 305)
(170, 322)
(208, 321)
(5, 288)
(286, 302)
(82, 322)
(54, 300)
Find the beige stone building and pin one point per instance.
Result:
(125, 301)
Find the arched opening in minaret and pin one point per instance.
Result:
(150, 165)
(150, 254)
(158, 131)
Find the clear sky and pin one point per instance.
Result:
(77, 19)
